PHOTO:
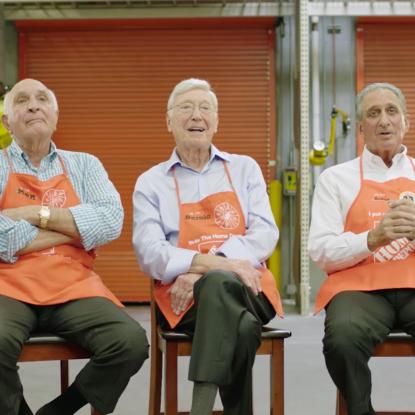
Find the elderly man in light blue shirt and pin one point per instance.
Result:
(56, 208)
(203, 227)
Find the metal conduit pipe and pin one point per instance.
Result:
(302, 115)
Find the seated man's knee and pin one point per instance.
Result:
(216, 279)
(249, 330)
(137, 352)
(345, 336)
(129, 346)
(10, 345)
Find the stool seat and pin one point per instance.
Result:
(46, 347)
(267, 333)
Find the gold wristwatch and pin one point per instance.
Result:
(44, 216)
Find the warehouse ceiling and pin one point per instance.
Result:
(254, 7)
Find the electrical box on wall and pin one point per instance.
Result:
(289, 181)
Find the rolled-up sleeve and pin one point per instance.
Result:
(157, 257)
(100, 215)
(14, 236)
(261, 234)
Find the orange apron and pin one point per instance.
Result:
(58, 274)
(390, 266)
(204, 227)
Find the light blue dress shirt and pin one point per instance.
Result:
(99, 216)
(156, 212)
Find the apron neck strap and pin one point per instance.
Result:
(6, 154)
(176, 182)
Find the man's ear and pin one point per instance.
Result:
(407, 124)
(57, 118)
(168, 122)
(359, 127)
(5, 121)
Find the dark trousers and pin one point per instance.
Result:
(225, 323)
(118, 345)
(355, 323)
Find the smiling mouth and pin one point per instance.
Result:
(196, 130)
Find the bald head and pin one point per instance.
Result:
(9, 97)
(30, 112)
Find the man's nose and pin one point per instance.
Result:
(384, 118)
(196, 114)
(32, 104)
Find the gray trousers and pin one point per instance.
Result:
(118, 345)
(225, 323)
(355, 323)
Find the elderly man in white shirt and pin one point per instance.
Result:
(362, 231)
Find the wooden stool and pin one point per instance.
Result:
(174, 344)
(46, 347)
(397, 344)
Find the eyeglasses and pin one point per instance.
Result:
(189, 108)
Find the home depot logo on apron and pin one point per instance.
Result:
(204, 227)
(58, 274)
(390, 266)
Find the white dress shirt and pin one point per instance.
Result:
(330, 247)
(156, 212)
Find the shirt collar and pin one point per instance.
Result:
(16, 151)
(377, 162)
(174, 159)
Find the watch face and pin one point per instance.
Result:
(44, 212)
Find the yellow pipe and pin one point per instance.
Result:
(332, 131)
(275, 197)
(5, 138)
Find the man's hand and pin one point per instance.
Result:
(181, 292)
(398, 223)
(249, 275)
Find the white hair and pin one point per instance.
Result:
(374, 87)
(8, 100)
(188, 85)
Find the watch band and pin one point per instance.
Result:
(44, 215)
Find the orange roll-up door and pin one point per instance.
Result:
(386, 53)
(112, 86)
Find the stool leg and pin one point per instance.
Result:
(277, 377)
(170, 385)
(341, 407)
(155, 379)
(64, 375)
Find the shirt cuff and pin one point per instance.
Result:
(178, 264)
(25, 234)
(233, 248)
(85, 220)
(358, 245)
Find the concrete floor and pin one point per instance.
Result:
(308, 388)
